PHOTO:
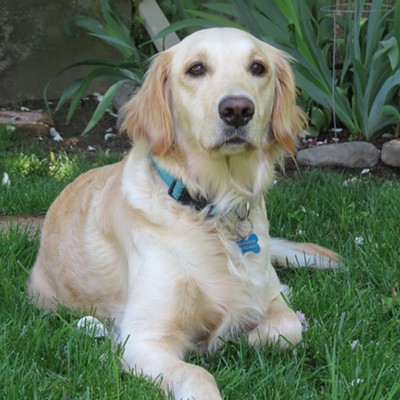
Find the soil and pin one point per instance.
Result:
(71, 131)
(30, 223)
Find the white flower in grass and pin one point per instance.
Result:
(359, 240)
(10, 128)
(93, 327)
(354, 344)
(303, 320)
(6, 179)
(356, 381)
(310, 212)
(348, 182)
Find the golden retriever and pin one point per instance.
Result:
(172, 242)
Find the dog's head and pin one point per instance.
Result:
(221, 91)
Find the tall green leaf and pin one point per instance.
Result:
(97, 74)
(103, 106)
(374, 118)
(372, 37)
(113, 32)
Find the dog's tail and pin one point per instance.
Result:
(302, 255)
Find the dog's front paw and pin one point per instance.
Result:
(199, 385)
(281, 326)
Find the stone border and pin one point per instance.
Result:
(350, 155)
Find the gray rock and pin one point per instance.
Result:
(391, 153)
(124, 93)
(345, 155)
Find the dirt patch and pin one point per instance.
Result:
(29, 222)
(104, 136)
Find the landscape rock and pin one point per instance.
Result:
(391, 153)
(344, 155)
(35, 122)
(124, 93)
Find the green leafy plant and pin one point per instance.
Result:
(130, 68)
(371, 62)
(363, 95)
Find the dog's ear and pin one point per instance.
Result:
(288, 120)
(148, 114)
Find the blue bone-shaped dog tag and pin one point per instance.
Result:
(250, 244)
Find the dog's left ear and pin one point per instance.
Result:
(148, 114)
(288, 120)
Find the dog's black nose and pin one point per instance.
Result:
(236, 111)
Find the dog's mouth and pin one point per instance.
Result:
(234, 136)
(233, 145)
(235, 141)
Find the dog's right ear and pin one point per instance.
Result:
(148, 114)
(287, 118)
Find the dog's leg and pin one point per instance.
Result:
(161, 361)
(281, 325)
(157, 326)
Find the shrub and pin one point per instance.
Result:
(130, 68)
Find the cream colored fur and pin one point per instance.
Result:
(173, 278)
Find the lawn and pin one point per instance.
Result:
(351, 349)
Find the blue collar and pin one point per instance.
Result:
(177, 190)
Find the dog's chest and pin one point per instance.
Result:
(221, 290)
(206, 284)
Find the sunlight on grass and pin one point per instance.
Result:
(35, 176)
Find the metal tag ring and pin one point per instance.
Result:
(242, 230)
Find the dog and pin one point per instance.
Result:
(172, 242)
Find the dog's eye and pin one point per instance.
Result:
(197, 70)
(257, 69)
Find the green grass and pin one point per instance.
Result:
(37, 175)
(45, 356)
